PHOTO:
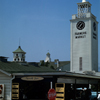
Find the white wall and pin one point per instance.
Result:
(94, 47)
(4, 79)
(86, 47)
(20, 57)
(80, 47)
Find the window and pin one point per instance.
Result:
(18, 59)
(80, 63)
(16, 55)
(14, 59)
(22, 55)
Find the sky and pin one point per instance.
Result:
(41, 26)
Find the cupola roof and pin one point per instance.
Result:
(48, 53)
(19, 50)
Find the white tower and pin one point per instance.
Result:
(48, 59)
(19, 55)
(83, 0)
(84, 39)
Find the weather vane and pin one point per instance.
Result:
(19, 41)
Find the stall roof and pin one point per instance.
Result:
(13, 67)
(17, 69)
(60, 74)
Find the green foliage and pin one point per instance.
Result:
(52, 67)
(46, 64)
(94, 87)
(42, 63)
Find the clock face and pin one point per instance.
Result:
(80, 25)
(94, 26)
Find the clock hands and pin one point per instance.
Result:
(80, 25)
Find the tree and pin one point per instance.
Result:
(46, 64)
(52, 67)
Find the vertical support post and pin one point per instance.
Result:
(50, 85)
(88, 84)
(75, 89)
(97, 88)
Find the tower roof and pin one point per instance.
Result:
(82, 3)
(19, 50)
(48, 53)
(83, 8)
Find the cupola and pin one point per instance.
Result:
(19, 55)
(48, 59)
(83, 8)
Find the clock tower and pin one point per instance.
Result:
(84, 39)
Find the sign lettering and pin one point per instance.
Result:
(80, 35)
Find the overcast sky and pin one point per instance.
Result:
(41, 26)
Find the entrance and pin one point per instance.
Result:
(33, 90)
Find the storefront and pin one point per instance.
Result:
(68, 86)
(32, 87)
(19, 84)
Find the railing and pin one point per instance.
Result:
(82, 15)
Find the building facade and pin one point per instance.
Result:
(84, 39)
